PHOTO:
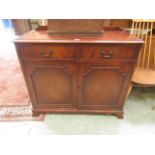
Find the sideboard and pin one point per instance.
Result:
(77, 73)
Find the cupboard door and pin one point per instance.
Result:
(52, 84)
(102, 85)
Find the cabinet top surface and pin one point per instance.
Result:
(106, 37)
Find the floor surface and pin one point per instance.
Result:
(139, 118)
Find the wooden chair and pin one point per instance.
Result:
(144, 74)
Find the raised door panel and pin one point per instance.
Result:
(52, 84)
(102, 86)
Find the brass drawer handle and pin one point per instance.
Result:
(44, 54)
(106, 54)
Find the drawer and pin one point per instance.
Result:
(108, 52)
(47, 51)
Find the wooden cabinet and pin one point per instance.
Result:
(52, 84)
(85, 75)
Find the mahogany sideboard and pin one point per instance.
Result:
(76, 73)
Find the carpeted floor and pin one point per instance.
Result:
(14, 100)
(12, 86)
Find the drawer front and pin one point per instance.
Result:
(107, 52)
(47, 51)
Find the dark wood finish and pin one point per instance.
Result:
(53, 84)
(47, 51)
(82, 26)
(123, 23)
(107, 52)
(94, 81)
(88, 75)
(110, 37)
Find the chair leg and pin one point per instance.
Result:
(153, 108)
(129, 89)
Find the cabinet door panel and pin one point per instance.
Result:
(52, 84)
(101, 86)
